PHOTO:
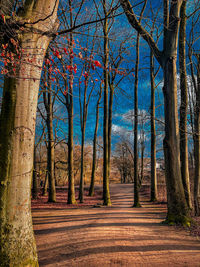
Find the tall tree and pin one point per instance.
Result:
(194, 93)
(48, 103)
(136, 175)
(177, 207)
(17, 124)
(197, 142)
(106, 191)
(184, 106)
(153, 132)
(91, 189)
(83, 119)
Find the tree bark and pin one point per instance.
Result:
(71, 189)
(91, 189)
(45, 186)
(197, 143)
(70, 108)
(34, 180)
(106, 191)
(50, 148)
(136, 181)
(81, 186)
(183, 107)
(17, 132)
(153, 134)
(110, 125)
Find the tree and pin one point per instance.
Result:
(106, 191)
(83, 120)
(136, 182)
(91, 189)
(48, 103)
(177, 207)
(17, 123)
(184, 106)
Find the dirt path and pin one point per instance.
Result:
(115, 236)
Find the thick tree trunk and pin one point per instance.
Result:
(106, 191)
(91, 190)
(153, 134)
(183, 107)
(136, 182)
(177, 206)
(17, 128)
(197, 144)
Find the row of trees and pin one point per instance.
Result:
(27, 28)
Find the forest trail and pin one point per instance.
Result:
(113, 236)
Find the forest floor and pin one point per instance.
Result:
(91, 235)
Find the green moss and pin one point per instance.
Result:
(178, 220)
(29, 263)
(107, 202)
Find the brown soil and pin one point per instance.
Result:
(120, 235)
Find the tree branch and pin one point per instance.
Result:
(138, 27)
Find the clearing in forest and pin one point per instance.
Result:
(112, 236)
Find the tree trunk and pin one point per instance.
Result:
(45, 186)
(81, 187)
(136, 182)
(183, 107)
(91, 190)
(177, 206)
(70, 108)
(50, 151)
(35, 182)
(17, 132)
(106, 191)
(110, 125)
(47, 98)
(71, 189)
(142, 164)
(197, 144)
(153, 134)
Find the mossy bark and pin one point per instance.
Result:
(17, 132)
(184, 107)
(177, 206)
